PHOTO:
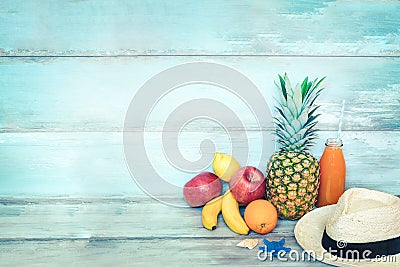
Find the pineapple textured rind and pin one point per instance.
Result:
(292, 183)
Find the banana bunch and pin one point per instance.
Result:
(230, 211)
(224, 166)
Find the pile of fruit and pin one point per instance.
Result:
(292, 178)
(246, 187)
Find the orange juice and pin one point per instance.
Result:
(332, 173)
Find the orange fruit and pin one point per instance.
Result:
(261, 216)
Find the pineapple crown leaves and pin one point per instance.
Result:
(296, 113)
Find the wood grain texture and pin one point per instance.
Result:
(93, 94)
(133, 218)
(140, 252)
(92, 165)
(153, 27)
(69, 69)
(137, 232)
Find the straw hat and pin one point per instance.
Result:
(364, 223)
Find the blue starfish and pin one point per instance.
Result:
(274, 247)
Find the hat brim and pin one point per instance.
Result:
(308, 233)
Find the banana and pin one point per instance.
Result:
(232, 216)
(209, 214)
(224, 166)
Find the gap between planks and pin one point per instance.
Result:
(199, 130)
(51, 201)
(147, 238)
(199, 55)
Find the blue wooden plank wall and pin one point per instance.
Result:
(208, 27)
(69, 69)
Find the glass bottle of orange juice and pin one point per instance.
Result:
(332, 173)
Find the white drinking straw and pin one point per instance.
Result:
(340, 120)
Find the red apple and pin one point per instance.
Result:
(201, 189)
(247, 184)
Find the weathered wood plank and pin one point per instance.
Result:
(144, 229)
(108, 218)
(141, 252)
(93, 94)
(127, 27)
(92, 165)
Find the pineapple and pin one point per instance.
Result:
(292, 172)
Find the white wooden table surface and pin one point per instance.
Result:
(69, 69)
